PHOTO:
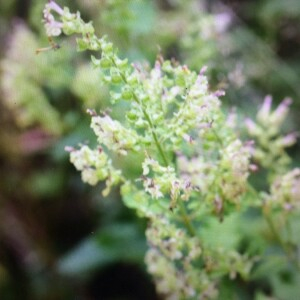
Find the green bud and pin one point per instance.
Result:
(105, 63)
(82, 44)
(127, 94)
(121, 63)
(147, 141)
(116, 79)
(131, 116)
(132, 79)
(180, 80)
(88, 28)
(95, 61)
(107, 79)
(115, 96)
(107, 48)
(210, 136)
(167, 66)
(115, 76)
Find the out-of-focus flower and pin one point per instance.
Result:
(285, 192)
(114, 135)
(252, 128)
(288, 140)
(264, 112)
(222, 21)
(53, 27)
(280, 114)
(270, 150)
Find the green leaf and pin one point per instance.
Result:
(119, 241)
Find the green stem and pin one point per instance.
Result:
(217, 136)
(185, 217)
(287, 250)
(186, 220)
(275, 233)
(269, 220)
(158, 146)
(281, 242)
(147, 117)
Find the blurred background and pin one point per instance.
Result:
(59, 238)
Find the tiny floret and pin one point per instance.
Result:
(53, 27)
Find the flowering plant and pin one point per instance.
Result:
(194, 170)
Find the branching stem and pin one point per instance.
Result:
(147, 117)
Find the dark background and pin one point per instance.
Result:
(59, 239)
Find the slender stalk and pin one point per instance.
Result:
(217, 136)
(287, 250)
(186, 220)
(158, 146)
(269, 220)
(147, 117)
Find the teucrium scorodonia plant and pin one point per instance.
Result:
(194, 164)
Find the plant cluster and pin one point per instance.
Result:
(195, 167)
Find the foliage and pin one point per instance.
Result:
(217, 206)
(195, 167)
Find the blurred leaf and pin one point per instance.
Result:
(272, 9)
(261, 296)
(286, 284)
(46, 183)
(81, 132)
(224, 234)
(270, 264)
(144, 17)
(119, 241)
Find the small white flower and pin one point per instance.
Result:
(53, 27)
(264, 112)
